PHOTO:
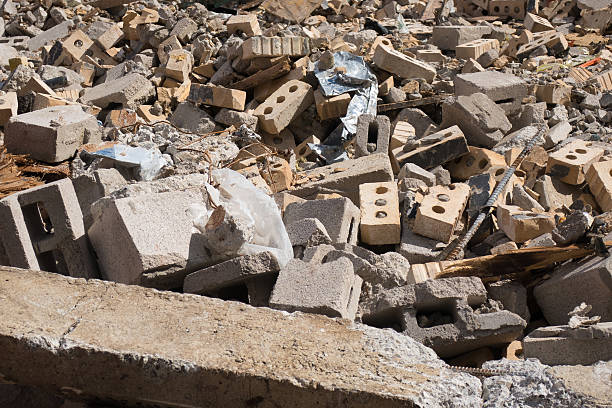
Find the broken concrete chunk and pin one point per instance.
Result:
(128, 91)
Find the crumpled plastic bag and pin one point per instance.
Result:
(149, 161)
(253, 209)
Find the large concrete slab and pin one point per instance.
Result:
(138, 345)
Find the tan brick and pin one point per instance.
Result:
(556, 93)
(42, 101)
(86, 70)
(476, 48)
(110, 37)
(302, 150)
(536, 24)
(284, 105)
(385, 86)
(76, 44)
(206, 70)
(475, 162)
(553, 40)
(277, 174)
(179, 65)
(380, 216)
(570, 163)
(402, 132)
(246, 23)
(378, 41)
(332, 107)
(69, 94)
(35, 85)
(599, 178)
(521, 226)
(440, 211)
(217, 96)
(144, 111)
(275, 47)
(166, 47)
(8, 107)
(402, 65)
(263, 91)
(430, 55)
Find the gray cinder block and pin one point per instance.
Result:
(372, 135)
(506, 90)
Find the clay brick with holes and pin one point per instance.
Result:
(506, 90)
(430, 55)
(556, 93)
(476, 48)
(339, 216)
(303, 150)
(599, 178)
(331, 107)
(246, 23)
(42, 228)
(402, 65)
(380, 41)
(570, 163)
(536, 24)
(278, 175)
(380, 216)
(440, 211)
(217, 96)
(76, 45)
(8, 107)
(603, 80)
(372, 135)
(507, 8)
(553, 40)
(436, 149)
(475, 162)
(275, 47)
(284, 105)
(332, 288)
(521, 226)
(179, 65)
(282, 141)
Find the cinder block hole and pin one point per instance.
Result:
(373, 132)
(48, 262)
(389, 320)
(238, 293)
(293, 88)
(268, 110)
(280, 99)
(350, 297)
(580, 151)
(435, 316)
(37, 221)
(351, 229)
(381, 190)
(277, 140)
(502, 101)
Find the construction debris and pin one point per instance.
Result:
(438, 169)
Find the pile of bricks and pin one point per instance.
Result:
(372, 210)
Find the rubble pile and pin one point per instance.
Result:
(440, 170)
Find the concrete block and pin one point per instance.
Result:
(372, 135)
(255, 47)
(521, 226)
(42, 223)
(217, 96)
(339, 216)
(535, 23)
(472, 66)
(331, 289)
(51, 135)
(331, 107)
(599, 179)
(562, 345)
(284, 105)
(435, 149)
(483, 122)
(246, 23)
(512, 295)
(588, 280)
(449, 37)
(129, 91)
(148, 239)
(570, 163)
(440, 211)
(228, 345)
(54, 33)
(475, 162)
(236, 271)
(307, 232)
(91, 187)
(411, 170)
(345, 177)
(406, 67)
(8, 107)
(184, 29)
(506, 90)
(441, 314)
(557, 134)
(190, 117)
(380, 216)
(476, 48)
(491, 57)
